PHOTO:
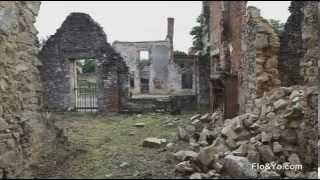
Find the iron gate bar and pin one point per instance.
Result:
(87, 96)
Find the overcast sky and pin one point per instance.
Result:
(141, 21)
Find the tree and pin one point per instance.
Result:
(197, 33)
(277, 26)
(89, 66)
(179, 53)
(43, 41)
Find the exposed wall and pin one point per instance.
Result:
(78, 38)
(299, 45)
(182, 78)
(311, 43)
(299, 41)
(291, 50)
(247, 91)
(203, 77)
(203, 61)
(20, 125)
(224, 22)
(259, 69)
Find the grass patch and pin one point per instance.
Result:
(99, 143)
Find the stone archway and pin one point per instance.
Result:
(80, 37)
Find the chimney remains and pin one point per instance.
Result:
(170, 28)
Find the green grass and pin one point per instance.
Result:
(98, 144)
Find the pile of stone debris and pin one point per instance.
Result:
(274, 141)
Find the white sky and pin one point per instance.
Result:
(141, 21)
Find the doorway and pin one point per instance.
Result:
(85, 85)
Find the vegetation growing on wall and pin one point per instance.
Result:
(277, 26)
(197, 34)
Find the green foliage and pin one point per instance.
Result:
(179, 53)
(89, 66)
(277, 26)
(197, 33)
(43, 41)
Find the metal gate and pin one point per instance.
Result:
(86, 94)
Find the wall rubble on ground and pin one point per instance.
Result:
(279, 131)
(277, 124)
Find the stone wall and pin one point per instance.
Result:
(260, 61)
(203, 61)
(162, 103)
(291, 50)
(184, 66)
(247, 91)
(203, 77)
(300, 45)
(20, 88)
(80, 37)
(311, 43)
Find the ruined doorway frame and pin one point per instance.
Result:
(217, 94)
(144, 65)
(93, 105)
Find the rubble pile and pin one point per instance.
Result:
(275, 135)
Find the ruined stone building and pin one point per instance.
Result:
(267, 88)
(243, 66)
(243, 51)
(250, 63)
(80, 37)
(154, 69)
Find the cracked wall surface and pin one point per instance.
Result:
(259, 66)
(20, 88)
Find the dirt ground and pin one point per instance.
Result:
(97, 144)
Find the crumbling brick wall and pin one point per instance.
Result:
(226, 20)
(20, 125)
(80, 37)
